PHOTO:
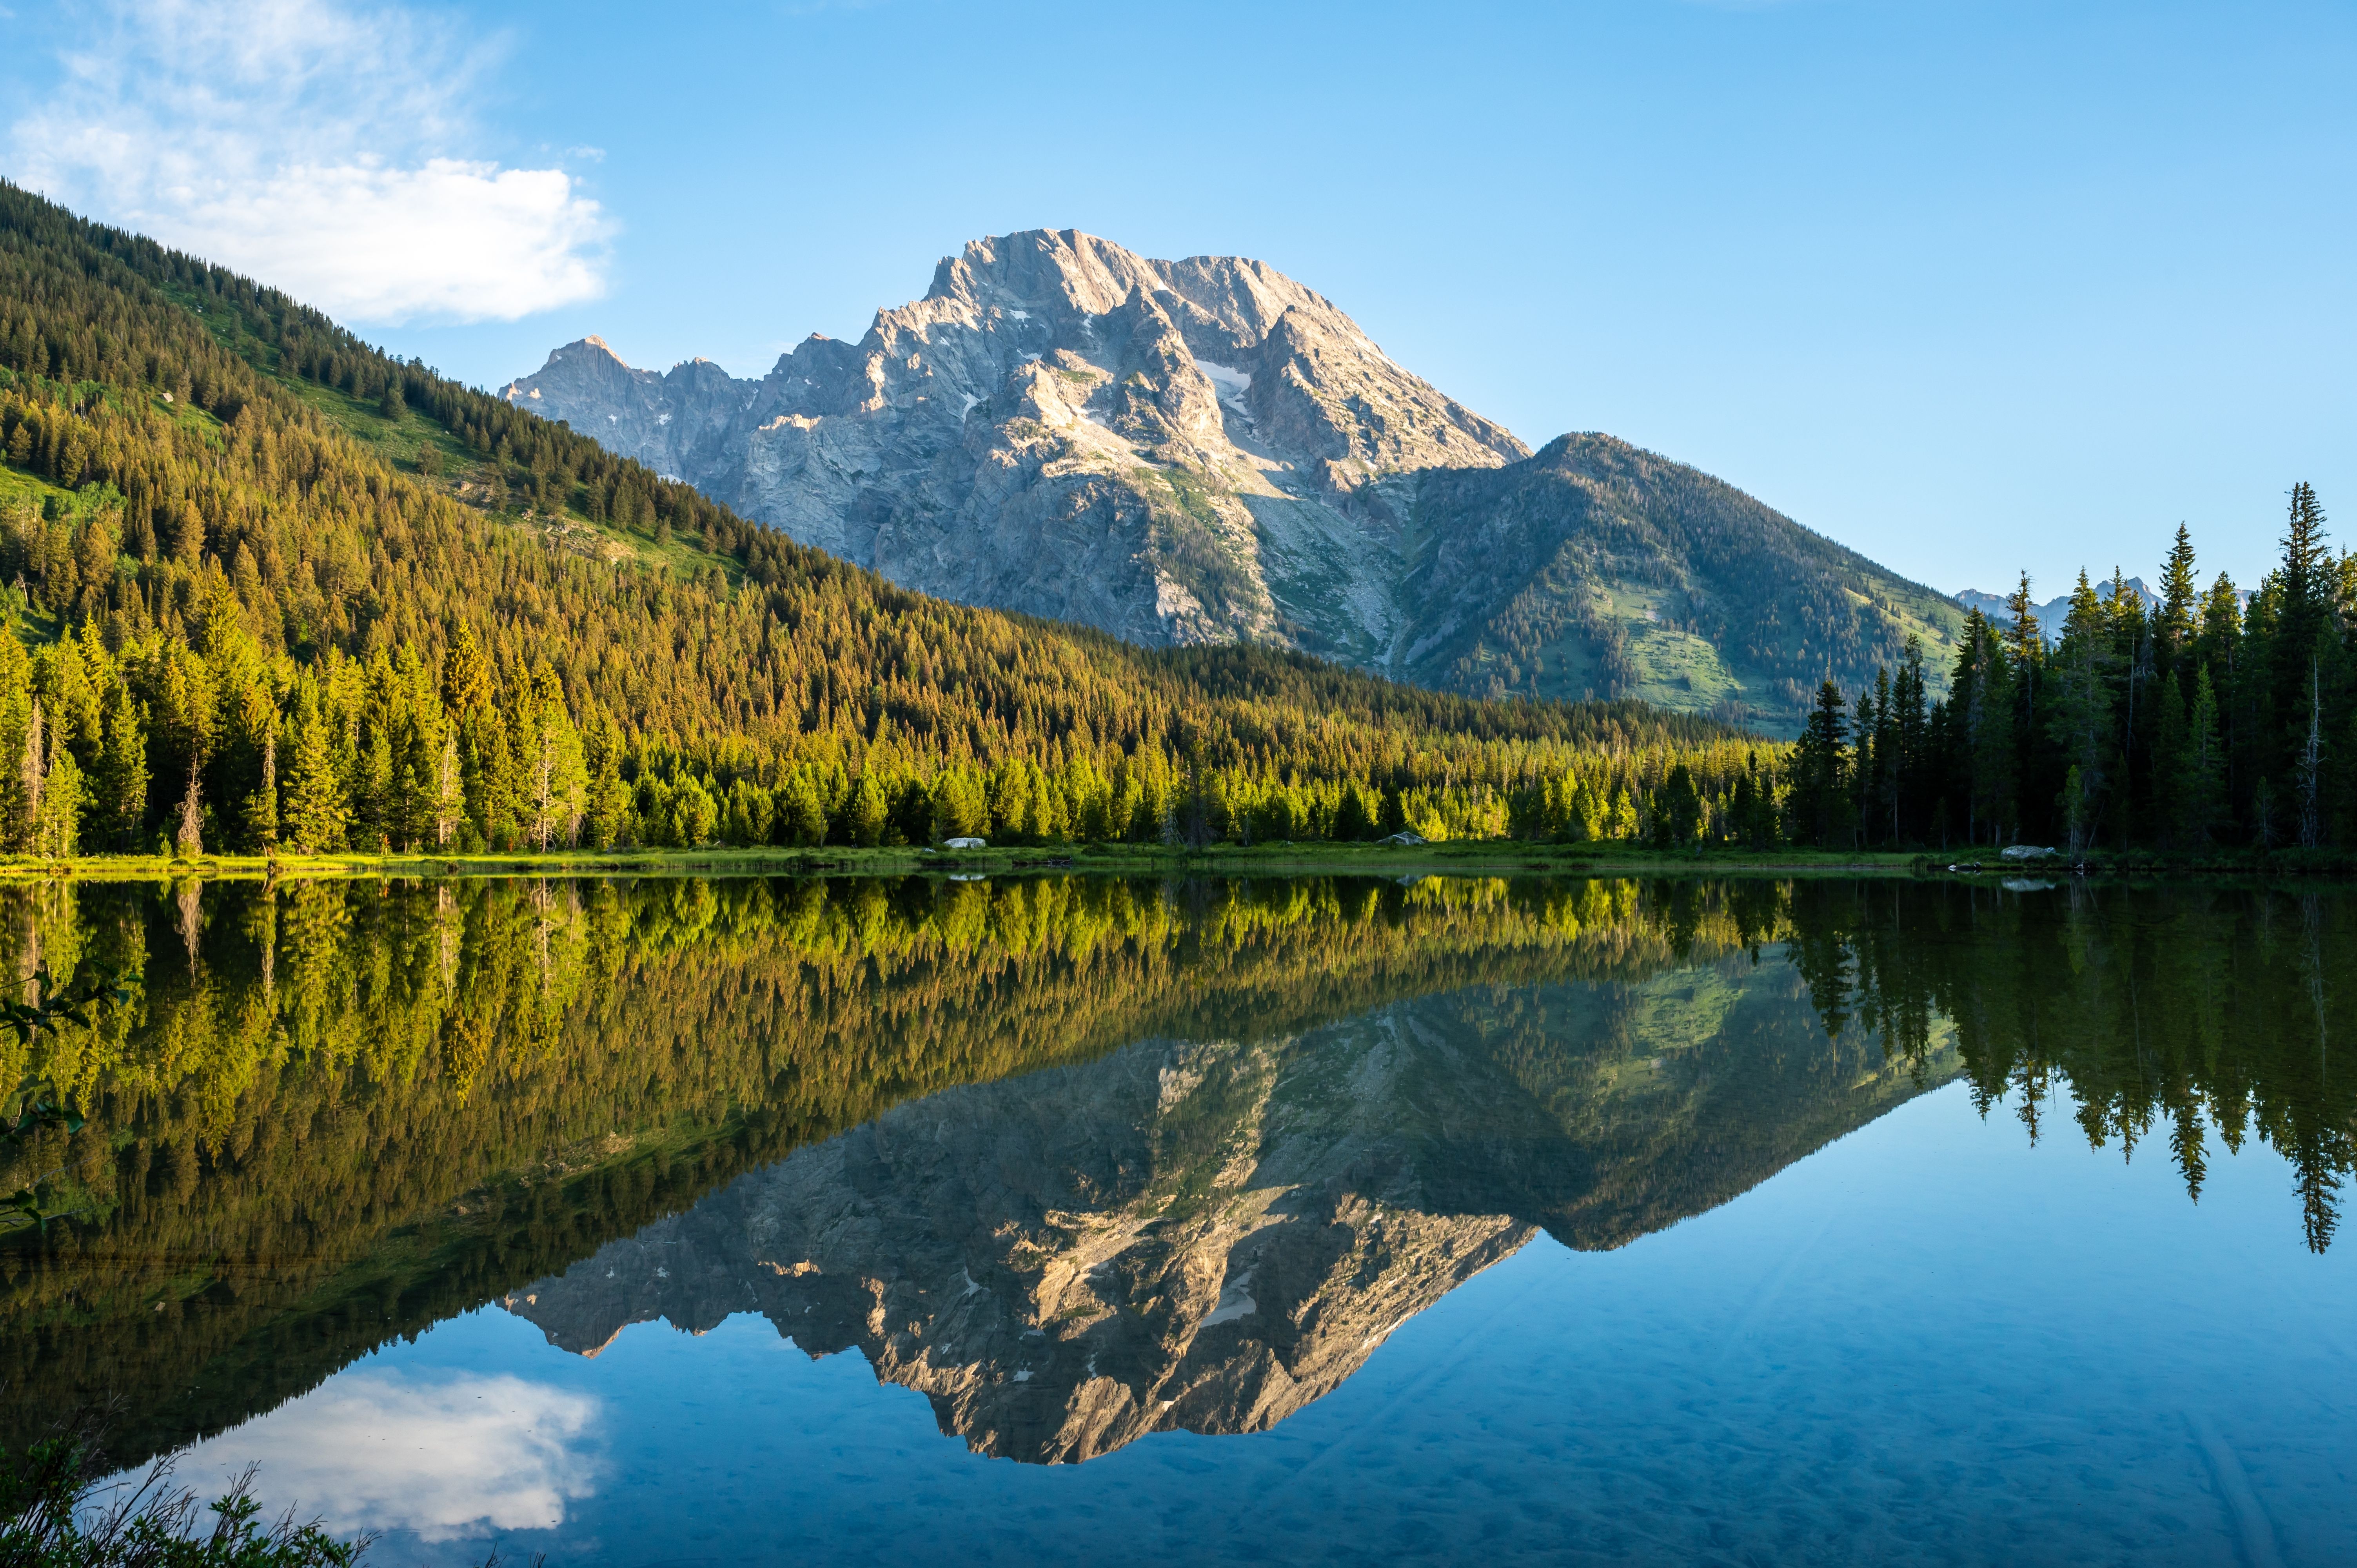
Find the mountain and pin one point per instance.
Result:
(1173, 451)
(1207, 451)
(1595, 566)
(2051, 614)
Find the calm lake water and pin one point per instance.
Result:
(1284, 1220)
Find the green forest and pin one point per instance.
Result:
(273, 589)
(2195, 724)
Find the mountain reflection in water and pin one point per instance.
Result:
(1078, 1158)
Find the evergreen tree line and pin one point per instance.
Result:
(2195, 723)
(274, 586)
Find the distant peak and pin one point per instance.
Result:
(592, 344)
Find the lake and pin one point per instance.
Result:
(1085, 1219)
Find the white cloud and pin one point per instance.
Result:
(320, 148)
(375, 1450)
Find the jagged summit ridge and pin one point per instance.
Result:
(1206, 450)
(1178, 451)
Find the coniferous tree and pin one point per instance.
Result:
(316, 813)
(2303, 608)
(865, 824)
(61, 800)
(2177, 619)
(122, 783)
(1819, 769)
(32, 780)
(1864, 770)
(2079, 711)
(801, 815)
(262, 806)
(2308, 769)
(2172, 765)
(1677, 810)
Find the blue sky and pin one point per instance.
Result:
(1970, 287)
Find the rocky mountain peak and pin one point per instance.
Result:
(1063, 426)
(1206, 450)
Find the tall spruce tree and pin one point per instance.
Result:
(1819, 799)
(316, 813)
(2177, 618)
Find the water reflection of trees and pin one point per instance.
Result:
(2176, 1013)
(339, 1111)
(336, 1112)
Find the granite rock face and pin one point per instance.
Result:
(1206, 451)
(1178, 452)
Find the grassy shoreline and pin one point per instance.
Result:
(1474, 857)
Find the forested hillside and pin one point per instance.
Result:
(1592, 567)
(270, 587)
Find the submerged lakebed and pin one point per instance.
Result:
(1283, 1220)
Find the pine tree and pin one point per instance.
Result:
(466, 685)
(2175, 624)
(59, 832)
(1677, 812)
(802, 814)
(123, 772)
(1910, 765)
(1352, 818)
(2201, 807)
(1978, 725)
(1743, 806)
(1865, 769)
(262, 806)
(866, 823)
(2308, 574)
(449, 802)
(2080, 715)
(32, 778)
(1818, 763)
(2171, 762)
(316, 813)
(559, 774)
(2304, 605)
(2310, 769)
(374, 789)
(608, 799)
(2078, 811)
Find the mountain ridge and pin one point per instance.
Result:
(1209, 451)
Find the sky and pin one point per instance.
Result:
(1974, 288)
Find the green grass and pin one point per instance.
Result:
(1471, 857)
(1484, 857)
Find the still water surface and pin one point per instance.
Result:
(1291, 1220)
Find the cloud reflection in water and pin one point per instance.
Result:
(376, 1450)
